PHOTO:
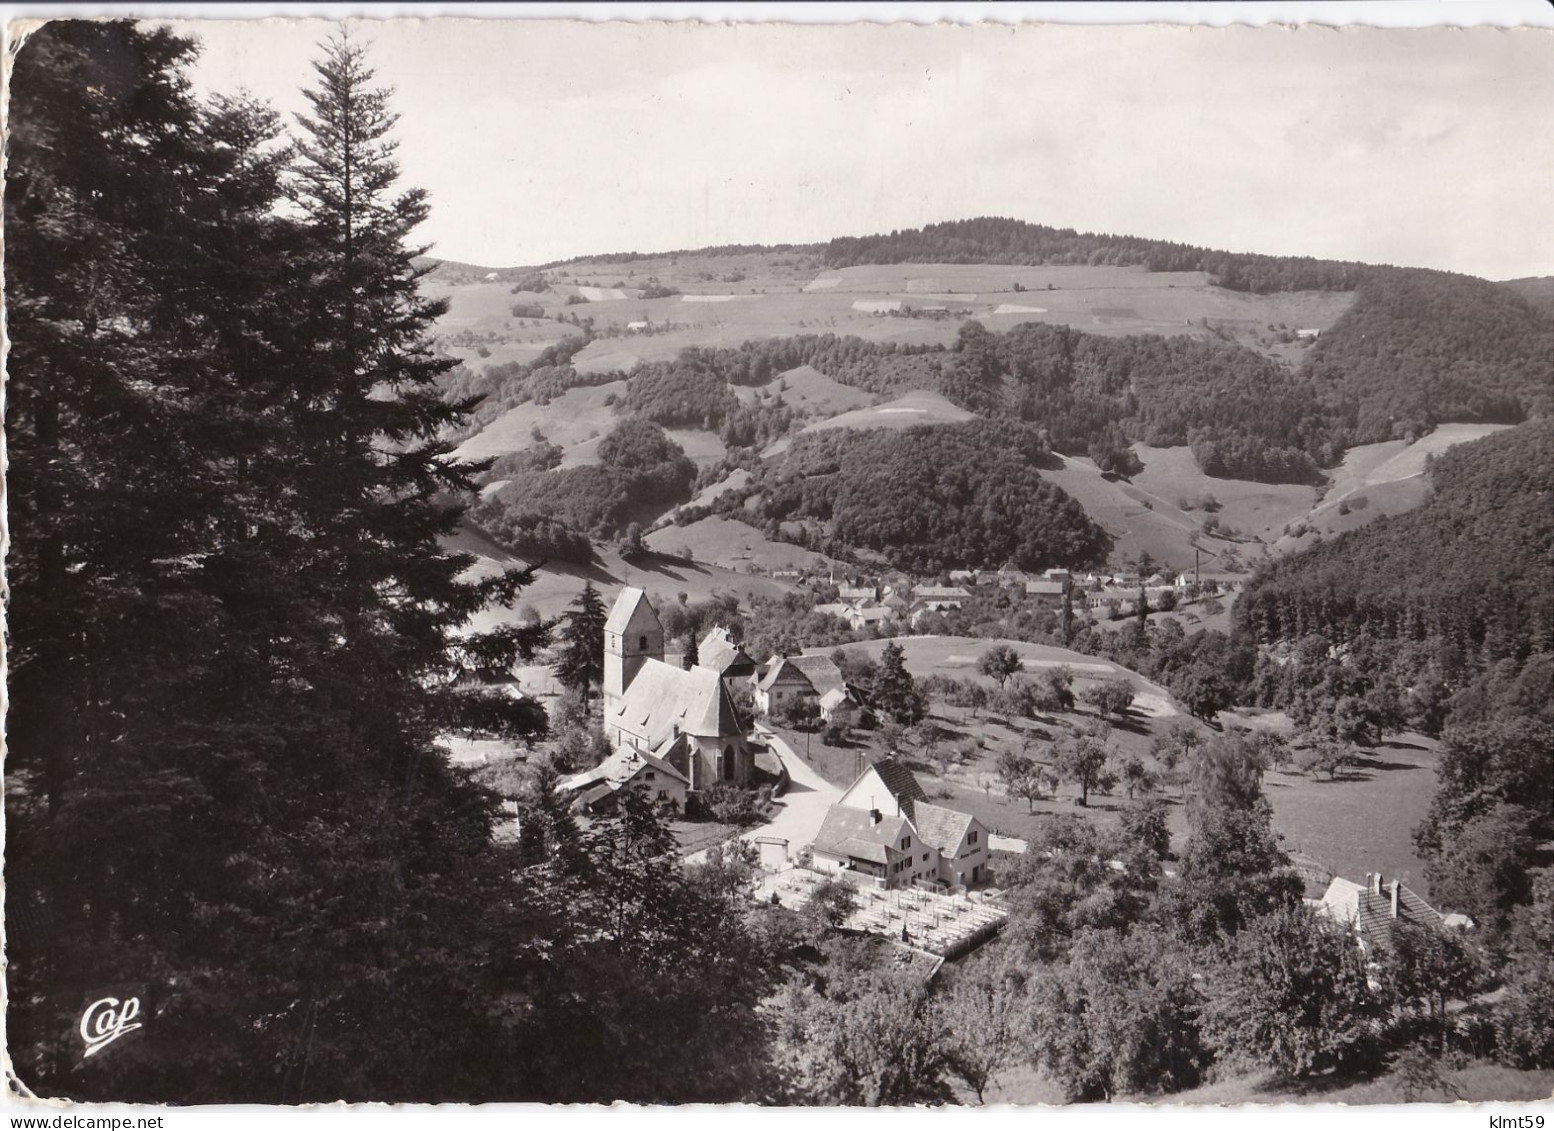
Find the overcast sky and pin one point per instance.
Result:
(545, 140)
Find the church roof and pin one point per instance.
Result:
(663, 698)
(625, 608)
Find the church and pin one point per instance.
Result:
(685, 717)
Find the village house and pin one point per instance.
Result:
(884, 827)
(785, 678)
(875, 617)
(1046, 594)
(1011, 578)
(779, 683)
(1375, 908)
(628, 768)
(938, 598)
(685, 717)
(840, 707)
(718, 651)
(854, 594)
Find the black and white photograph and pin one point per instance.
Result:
(962, 563)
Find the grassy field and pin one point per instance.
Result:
(1378, 479)
(575, 417)
(811, 392)
(558, 585)
(732, 545)
(1171, 475)
(906, 411)
(1364, 821)
(1138, 521)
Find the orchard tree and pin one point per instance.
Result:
(1292, 993)
(999, 663)
(1109, 696)
(982, 1013)
(1119, 1016)
(1081, 759)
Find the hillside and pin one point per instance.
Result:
(995, 239)
(558, 584)
(925, 498)
(1472, 566)
(1420, 348)
(1198, 376)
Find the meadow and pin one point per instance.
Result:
(1361, 822)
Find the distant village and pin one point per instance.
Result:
(922, 871)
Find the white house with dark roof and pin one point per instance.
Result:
(685, 717)
(884, 827)
(869, 843)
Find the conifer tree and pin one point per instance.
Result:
(896, 691)
(237, 636)
(581, 665)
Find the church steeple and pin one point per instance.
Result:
(632, 636)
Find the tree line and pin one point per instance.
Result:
(996, 239)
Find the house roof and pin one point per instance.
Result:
(1044, 588)
(662, 698)
(821, 671)
(625, 608)
(782, 669)
(940, 592)
(943, 828)
(1370, 912)
(718, 651)
(1376, 921)
(618, 769)
(850, 832)
(833, 698)
(900, 781)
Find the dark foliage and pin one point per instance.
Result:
(995, 239)
(1421, 347)
(1472, 570)
(933, 498)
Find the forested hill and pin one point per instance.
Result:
(1470, 571)
(1244, 415)
(929, 498)
(1419, 348)
(996, 239)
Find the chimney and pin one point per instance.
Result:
(1373, 882)
(875, 817)
(1394, 890)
